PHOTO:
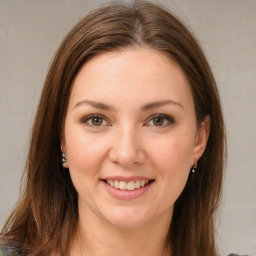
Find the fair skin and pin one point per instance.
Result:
(143, 133)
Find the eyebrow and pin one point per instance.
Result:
(159, 104)
(103, 106)
(94, 104)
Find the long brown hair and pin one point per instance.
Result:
(46, 216)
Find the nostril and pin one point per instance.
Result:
(126, 154)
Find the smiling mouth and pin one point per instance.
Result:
(130, 186)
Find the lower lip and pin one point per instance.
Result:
(126, 194)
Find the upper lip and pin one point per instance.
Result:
(127, 179)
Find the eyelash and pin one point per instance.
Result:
(90, 117)
(166, 118)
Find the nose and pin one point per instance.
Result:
(126, 149)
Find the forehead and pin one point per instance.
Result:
(136, 74)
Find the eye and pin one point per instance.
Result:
(95, 120)
(160, 120)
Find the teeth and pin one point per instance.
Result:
(122, 185)
(137, 184)
(116, 184)
(131, 185)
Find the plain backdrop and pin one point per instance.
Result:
(31, 31)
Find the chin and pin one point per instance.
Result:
(126, 218)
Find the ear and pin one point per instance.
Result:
(201, 138)
(62, 145)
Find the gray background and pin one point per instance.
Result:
(31, 31)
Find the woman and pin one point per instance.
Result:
(128, 144)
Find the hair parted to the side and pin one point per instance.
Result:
(45, 218)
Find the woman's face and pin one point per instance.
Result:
(130, 136)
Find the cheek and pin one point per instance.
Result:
(172, 164)
(85, 151)
(171, 158)
(174, 152)
(85, 156)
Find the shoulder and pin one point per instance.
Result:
(9, 250)
(233, 254)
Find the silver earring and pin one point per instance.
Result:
(64, 161)
(194, 168)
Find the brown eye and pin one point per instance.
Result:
(158, 121)
(97, 121)
(161, 120)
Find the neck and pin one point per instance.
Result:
(98, 238)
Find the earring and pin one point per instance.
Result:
(64, 161)
(194, 168)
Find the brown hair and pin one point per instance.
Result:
(45, 219)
